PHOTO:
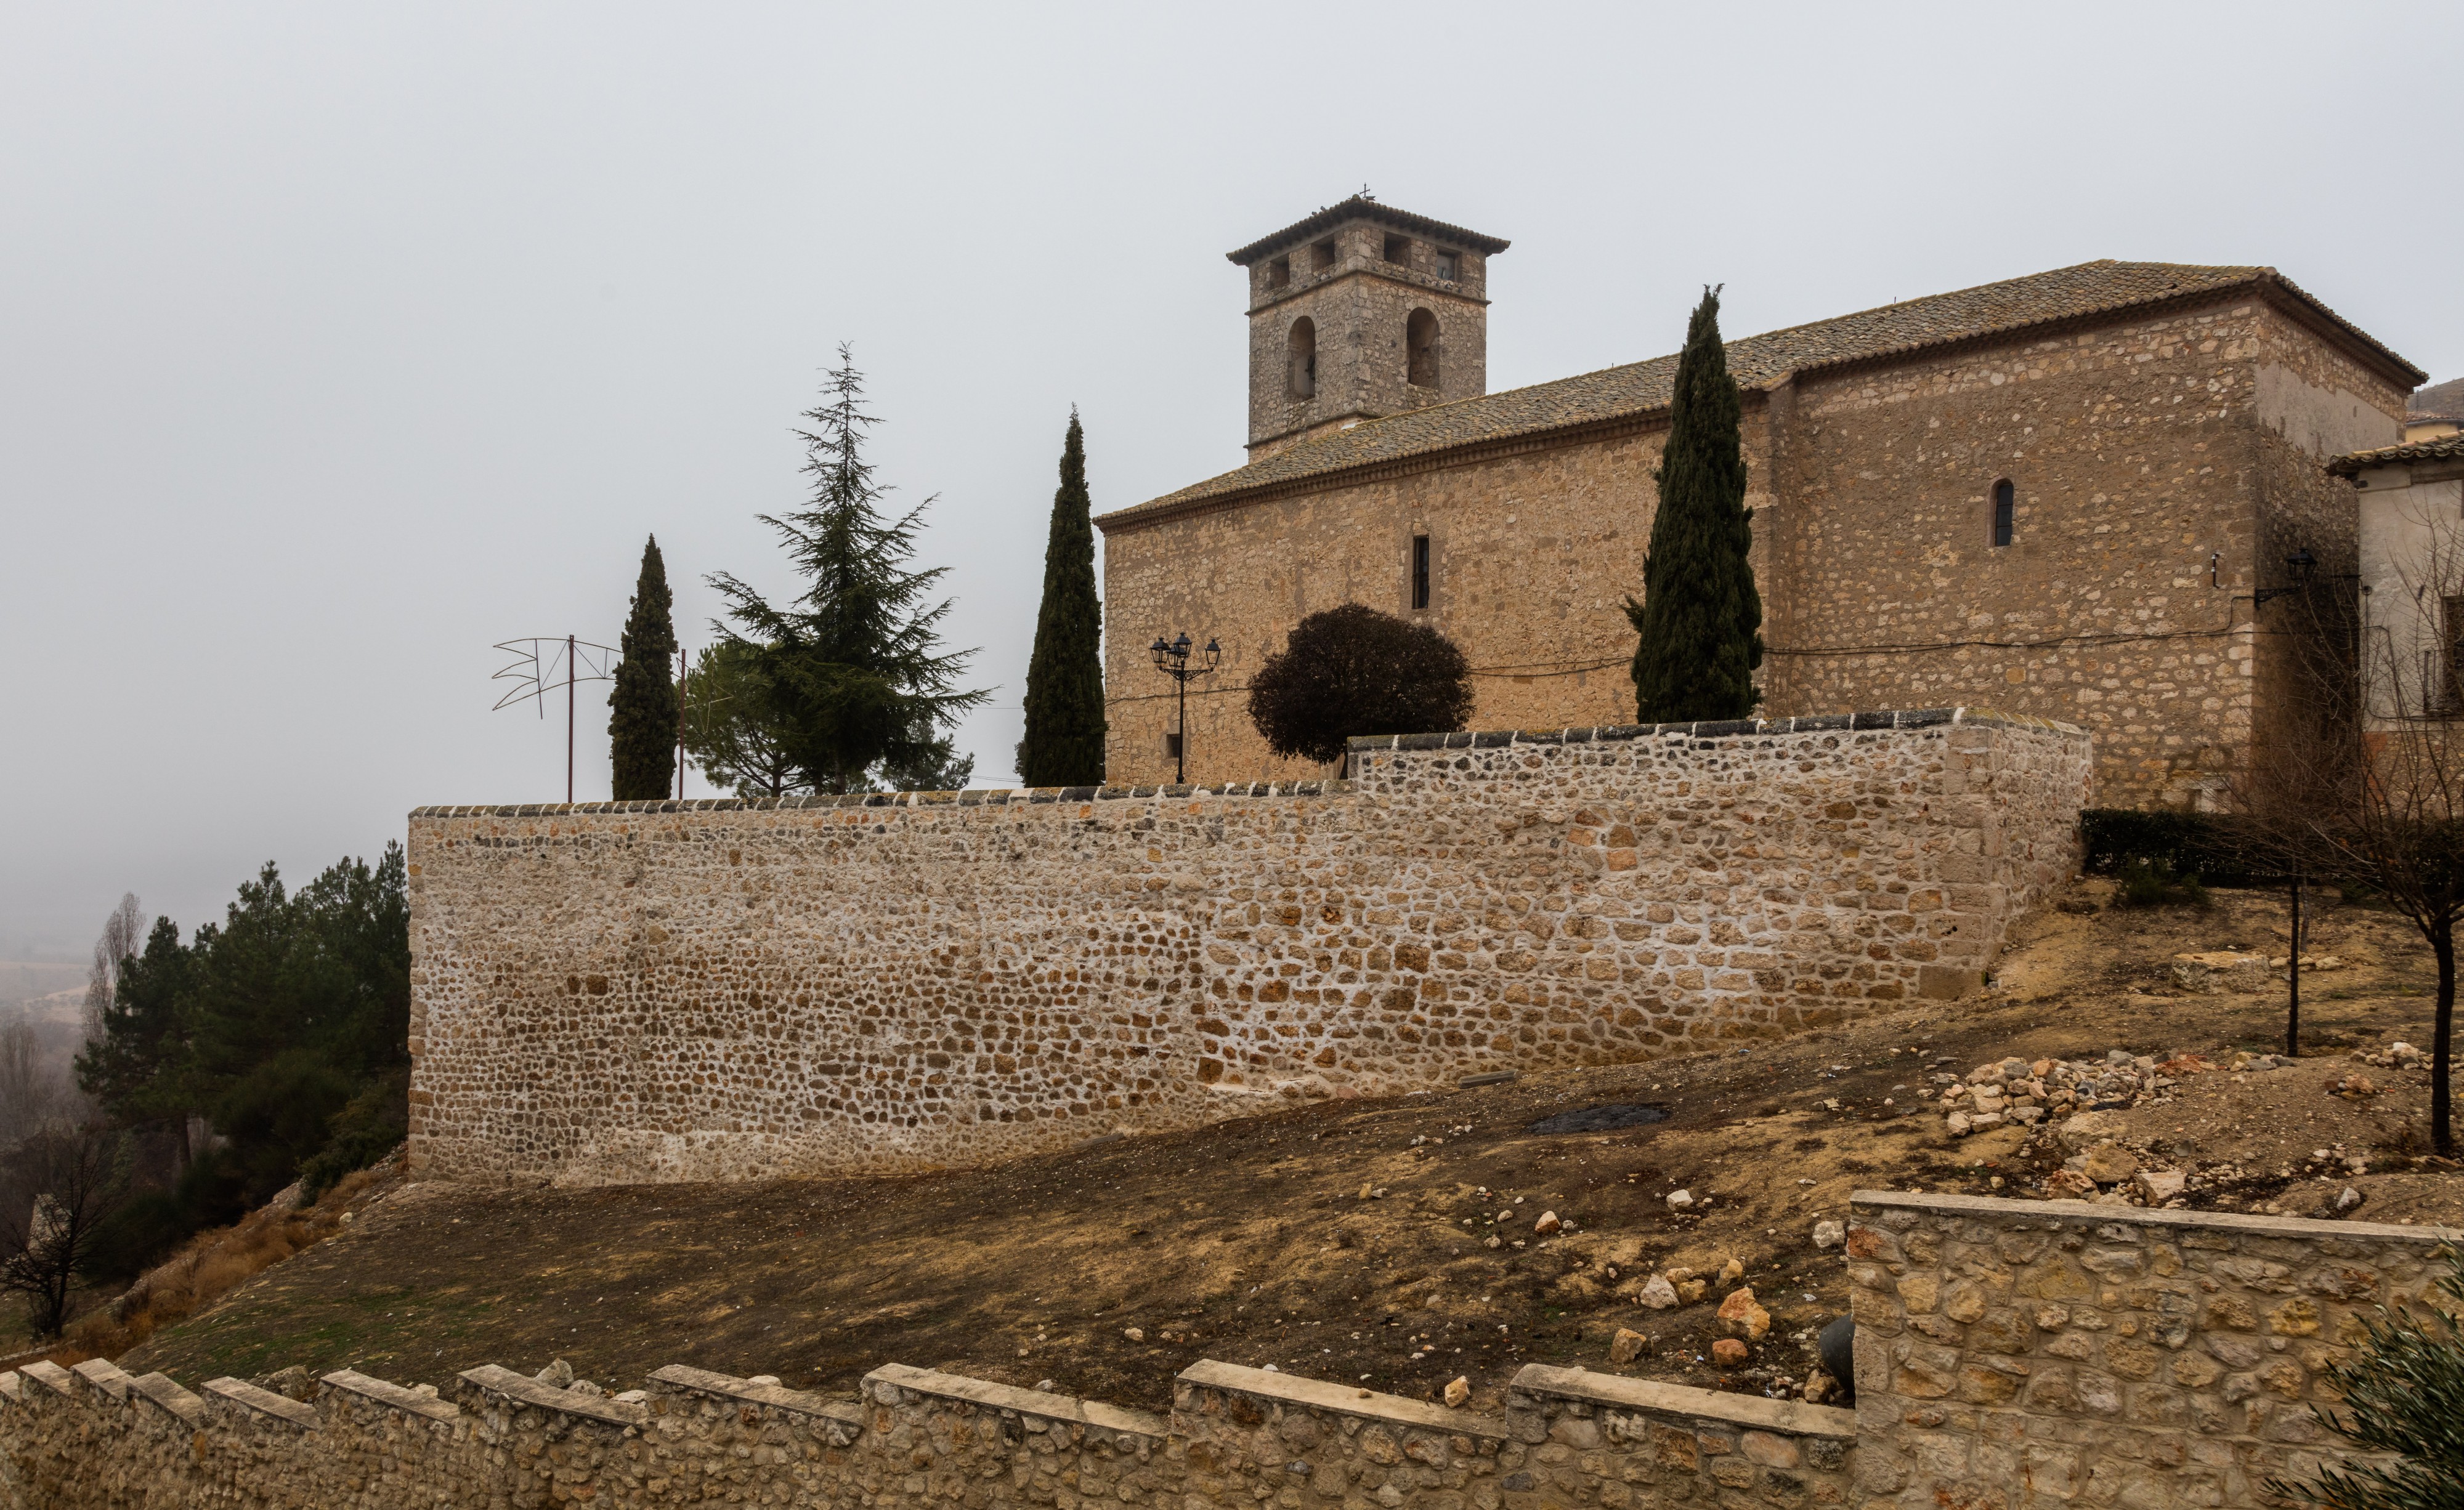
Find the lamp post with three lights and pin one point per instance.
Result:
(1174, 660)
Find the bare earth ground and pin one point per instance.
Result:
(1110, 1269)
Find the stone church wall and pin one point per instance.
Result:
(629, 992)
(2135, 451)
(1532, 551)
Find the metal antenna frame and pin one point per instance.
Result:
(576, 660)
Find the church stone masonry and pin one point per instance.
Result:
(2161, 429)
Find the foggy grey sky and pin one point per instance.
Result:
(338, 342)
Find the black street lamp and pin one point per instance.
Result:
(2301, 566)
(1173, 660)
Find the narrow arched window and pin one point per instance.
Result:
(2005, 505)
(1303, 366)
(1420, 341)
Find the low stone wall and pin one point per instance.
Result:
(2012, 1354)
(1236, 1437)
(629, 992)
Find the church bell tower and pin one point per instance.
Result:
(1358, 312)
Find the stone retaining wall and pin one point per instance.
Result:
(2012, 1354)
(626, 992)
(93, 1437)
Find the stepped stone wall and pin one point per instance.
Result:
(94, 1437)
(629, 992)
(2010, 1355)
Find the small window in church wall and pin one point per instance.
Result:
(1301, 375)
(1450, 266)
(1279, 272)
(1419, 571)
(1399, 250)
(2005, 506)
(1421, 343)
(1322, 255)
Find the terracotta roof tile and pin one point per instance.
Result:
(2447, 447)
(1756, 361)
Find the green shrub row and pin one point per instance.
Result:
(2211, 846)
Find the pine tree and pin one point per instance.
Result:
(1065, 676)
(642, 727)
(853, 666)
(1700, 618)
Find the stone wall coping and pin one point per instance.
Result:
(160, 1390)
(993, 797)
(11, 1388)
(263, 1402)
(522, 1389)
(1343, 1399)
(104, 1375)
(1683, 1400)
(702, 1381)
(2300, 1227)
(388, 1394)
(1468, 739)
(1720, 729)
(51, 1375)
(1010, 1398)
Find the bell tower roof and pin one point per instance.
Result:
(1360, 206)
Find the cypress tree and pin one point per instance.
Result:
(1700, 618)
(642, 727)
(1065, 676)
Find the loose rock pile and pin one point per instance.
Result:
(2026, 1092)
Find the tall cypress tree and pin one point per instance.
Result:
(1065, 677)
(1700, 618)
(642, 727)
(853, 669)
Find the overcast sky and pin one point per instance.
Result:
(340, 342)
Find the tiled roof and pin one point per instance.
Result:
(2444, 401)
(1360, 207)
(2447, 447)
(2090, 288)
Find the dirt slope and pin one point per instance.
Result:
(1253, 1241)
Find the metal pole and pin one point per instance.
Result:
(680, 723)
(571, 681)
(2293, 1013)
(1180, 746)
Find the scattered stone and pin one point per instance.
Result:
(558, 1375)
(2110, 1163)
(1627, 1346)
(1046, 1386)
(2349, 1199)
(1732, 1272)
(1829, 1235)
(2156, 1186)
(1135, 1334)
(1960, 1123)
(2087, 1128)
(583, 1387)
(2355, 1086)
(1743, 1315)
(293, 1383)
(629, 1397)
(1728, 1350)
(1680, 1200)
(2220, 969)
(1658, 1293)
(1546, 1224)
(1458, 1391)
(1817, 1387)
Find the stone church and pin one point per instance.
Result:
(2050, 496)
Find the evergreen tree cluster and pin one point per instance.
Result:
(283, 1029)
(1065, 676)
(1701, 617)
